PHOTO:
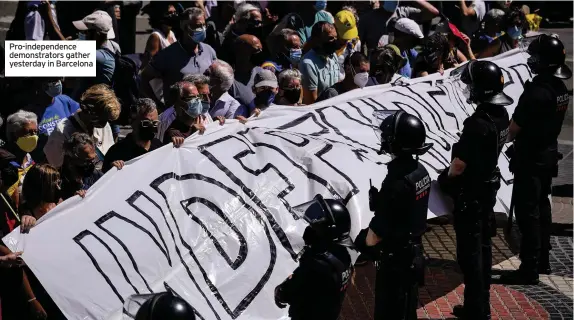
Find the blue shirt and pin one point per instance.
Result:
(105, 66)
(62, 107)
(410, 57)
(319, 72)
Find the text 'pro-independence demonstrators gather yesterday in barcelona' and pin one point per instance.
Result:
(250, 157)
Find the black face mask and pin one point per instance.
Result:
(86, 170)
(147, 133)
(292, 95)
(328, 48)
(257, 59)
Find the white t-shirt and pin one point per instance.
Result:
(471, 24)
(54, 148)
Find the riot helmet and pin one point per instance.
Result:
(547, 55)
(484, 83)
(401, 133)
(158, 306)
(329, 221)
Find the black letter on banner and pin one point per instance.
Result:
(242, 243)
(78, 239)
(272, 249)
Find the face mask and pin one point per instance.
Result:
(54, 89)
(320, 5)
(257, 59)
(361, 79)
(194, 107)
(82, 36)
(390, 6)
(329, 48)
(86, 170)
(514, 32)
(147, 133)
(27, 143)
(264, 98)
(295, 56)
(198, 36)
(292, 95)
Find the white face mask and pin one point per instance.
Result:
(361, 79)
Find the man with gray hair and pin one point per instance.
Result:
(289, 81)
(140, 141)
(248, 20)
(187, 56)
(220, 80)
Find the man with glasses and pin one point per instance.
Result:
(188, 56)
(141, 141)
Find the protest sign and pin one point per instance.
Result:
(213, 220)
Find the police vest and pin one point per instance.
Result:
(538, 143)
(420, 183)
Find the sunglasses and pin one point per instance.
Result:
(149, 123)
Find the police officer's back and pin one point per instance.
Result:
(535, 126)
(317, 287)
(473, 180)
(393, 238)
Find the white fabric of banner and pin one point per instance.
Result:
(213, 219)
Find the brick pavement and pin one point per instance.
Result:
(552, 299)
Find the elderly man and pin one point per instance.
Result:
(187, 56)
(98, 106)
(141, 141)
(265, 88)
(250, 56)
(289, 81)
(220, 80)
(286, 47)
(320, 67)
(179, 92)
(248, 20)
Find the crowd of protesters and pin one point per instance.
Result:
(204, 61)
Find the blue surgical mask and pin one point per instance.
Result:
(54, 89)
(390, 6)
(295, 56)
(514, 32)
(320, 5)
(81, 36)
(194, 107)
(198, 36)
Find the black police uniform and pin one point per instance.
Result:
(539, 113)
(400, 221)
(482, 139)
(317, 287)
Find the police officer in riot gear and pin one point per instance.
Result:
(393, 238)
(158, 306)
(316, 289)
(473, 179)
(535, 126)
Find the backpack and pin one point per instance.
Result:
(125, 83)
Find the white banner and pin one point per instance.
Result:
(213, 219)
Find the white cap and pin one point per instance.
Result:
(410, 27)
(99, 21)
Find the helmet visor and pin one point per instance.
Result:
(312, 211)
(133, 304)
(380, 116)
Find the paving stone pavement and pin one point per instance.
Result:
(551, 299)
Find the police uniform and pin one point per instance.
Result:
(400, 221)
(482, 139)
(317, 287)
(539, 113)
(400, 217)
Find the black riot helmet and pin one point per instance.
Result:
(329, 221)
(401, 133)
(485, 83)
(547, 54)
(158, 306)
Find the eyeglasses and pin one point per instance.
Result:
(149, 123)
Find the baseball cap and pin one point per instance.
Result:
(346, 25)
(99, 21)
(265, 78)
(408, 26)
(270, 64)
